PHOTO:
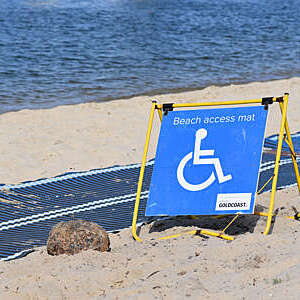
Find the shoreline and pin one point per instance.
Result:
(166, 92)
(70, 138)
(153, 94)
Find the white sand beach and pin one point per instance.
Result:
(46, 143)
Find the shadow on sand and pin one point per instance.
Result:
(243, 224)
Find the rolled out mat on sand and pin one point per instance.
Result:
(105, 196)
(272, 141)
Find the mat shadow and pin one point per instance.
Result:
(243, 224)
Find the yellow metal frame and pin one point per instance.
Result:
(283, 102)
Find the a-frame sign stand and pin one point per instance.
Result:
(284, 134)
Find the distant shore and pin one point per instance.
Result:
(48, 142)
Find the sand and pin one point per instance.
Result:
(45, 143)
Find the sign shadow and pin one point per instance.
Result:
(243, 224)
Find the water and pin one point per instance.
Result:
(55, 52)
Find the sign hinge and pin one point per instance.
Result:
(167, 107)
(279, 99)
(266, 101)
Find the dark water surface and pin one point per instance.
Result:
(55, 52)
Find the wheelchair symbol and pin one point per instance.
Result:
(201, 135)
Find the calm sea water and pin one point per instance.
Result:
(55, 52)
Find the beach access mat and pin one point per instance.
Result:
(272, 141)
(105, 196)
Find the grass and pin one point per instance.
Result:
(276, 281)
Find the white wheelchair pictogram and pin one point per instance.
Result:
(197, 160)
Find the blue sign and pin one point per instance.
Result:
(207, 162)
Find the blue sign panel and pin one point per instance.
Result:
(207, 162)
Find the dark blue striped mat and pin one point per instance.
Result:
(105, 196)
(272, 141)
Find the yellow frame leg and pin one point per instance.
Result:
(292, 150)
(200, 231)
(160, 114)
(141, 177)
(276, 169)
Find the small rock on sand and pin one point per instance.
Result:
(75, 236)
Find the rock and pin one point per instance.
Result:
(75, 236)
